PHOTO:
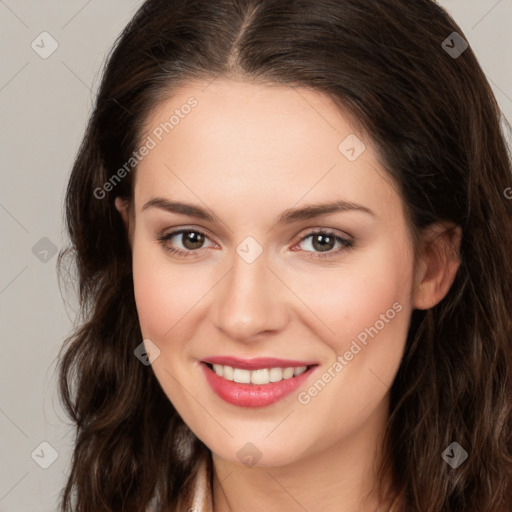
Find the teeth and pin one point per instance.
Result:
(287, 373)
(227, 372)
(219, 370)
(276, 374)
(262, 376)
(259, 376)
(241, 376)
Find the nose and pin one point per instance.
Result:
(251, 301)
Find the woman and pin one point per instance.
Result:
(293, 243)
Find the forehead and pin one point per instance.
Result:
(245, 143)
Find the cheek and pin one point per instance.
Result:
(368, 309)
(352, 298)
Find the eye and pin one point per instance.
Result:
(322, 242)
(193, 241)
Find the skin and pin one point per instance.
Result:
(248, 152)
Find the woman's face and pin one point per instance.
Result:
(255, 281)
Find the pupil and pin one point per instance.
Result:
(193, 239)
(319, 238)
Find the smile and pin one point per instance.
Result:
(262, 376)
(254, 387)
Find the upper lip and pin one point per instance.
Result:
(256, 363)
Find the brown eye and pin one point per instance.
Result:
(323, 243)
(191, 241)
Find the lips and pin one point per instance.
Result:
(255, 393)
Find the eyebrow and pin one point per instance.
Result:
(287, 217)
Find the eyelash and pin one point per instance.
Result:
(346, 243)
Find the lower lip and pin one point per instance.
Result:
(253, 395)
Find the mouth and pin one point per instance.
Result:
(255, 387)
(259, 376)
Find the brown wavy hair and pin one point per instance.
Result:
(436, 124)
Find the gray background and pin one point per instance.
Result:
(44, 105)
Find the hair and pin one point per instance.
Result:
(436, 126)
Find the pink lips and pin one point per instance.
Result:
(254, 395)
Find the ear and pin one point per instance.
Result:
(437, 263)
(123, 207)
